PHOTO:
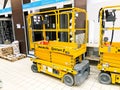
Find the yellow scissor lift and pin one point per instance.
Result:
(109, 50)
(60, 56)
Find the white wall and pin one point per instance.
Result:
(1, 4)
(93, 7)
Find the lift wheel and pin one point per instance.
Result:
(104, 78)
(68, 80)
(34, 68)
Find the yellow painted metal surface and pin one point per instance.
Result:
(57, 29)
(62, 59)
(115, 78)
(43, 66)
(43, 54)
(104, 67)
(62, 53)
(112, 59)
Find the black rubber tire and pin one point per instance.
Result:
(104, 78)
(34, 68)
(68, 80)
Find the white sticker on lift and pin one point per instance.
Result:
(50, 69)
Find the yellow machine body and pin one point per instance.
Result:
(58, 57)
(62, 53)
(61, 58)
(109, 53)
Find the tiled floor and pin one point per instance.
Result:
(18, 76)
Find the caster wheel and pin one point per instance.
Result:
(68, 80)
(34, 68)
(104, 78)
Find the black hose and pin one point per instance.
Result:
(112, 34)
(113, 27)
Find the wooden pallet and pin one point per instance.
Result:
(14, 58)
(5, 58)
(93, 58)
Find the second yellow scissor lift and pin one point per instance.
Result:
(109, 50)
